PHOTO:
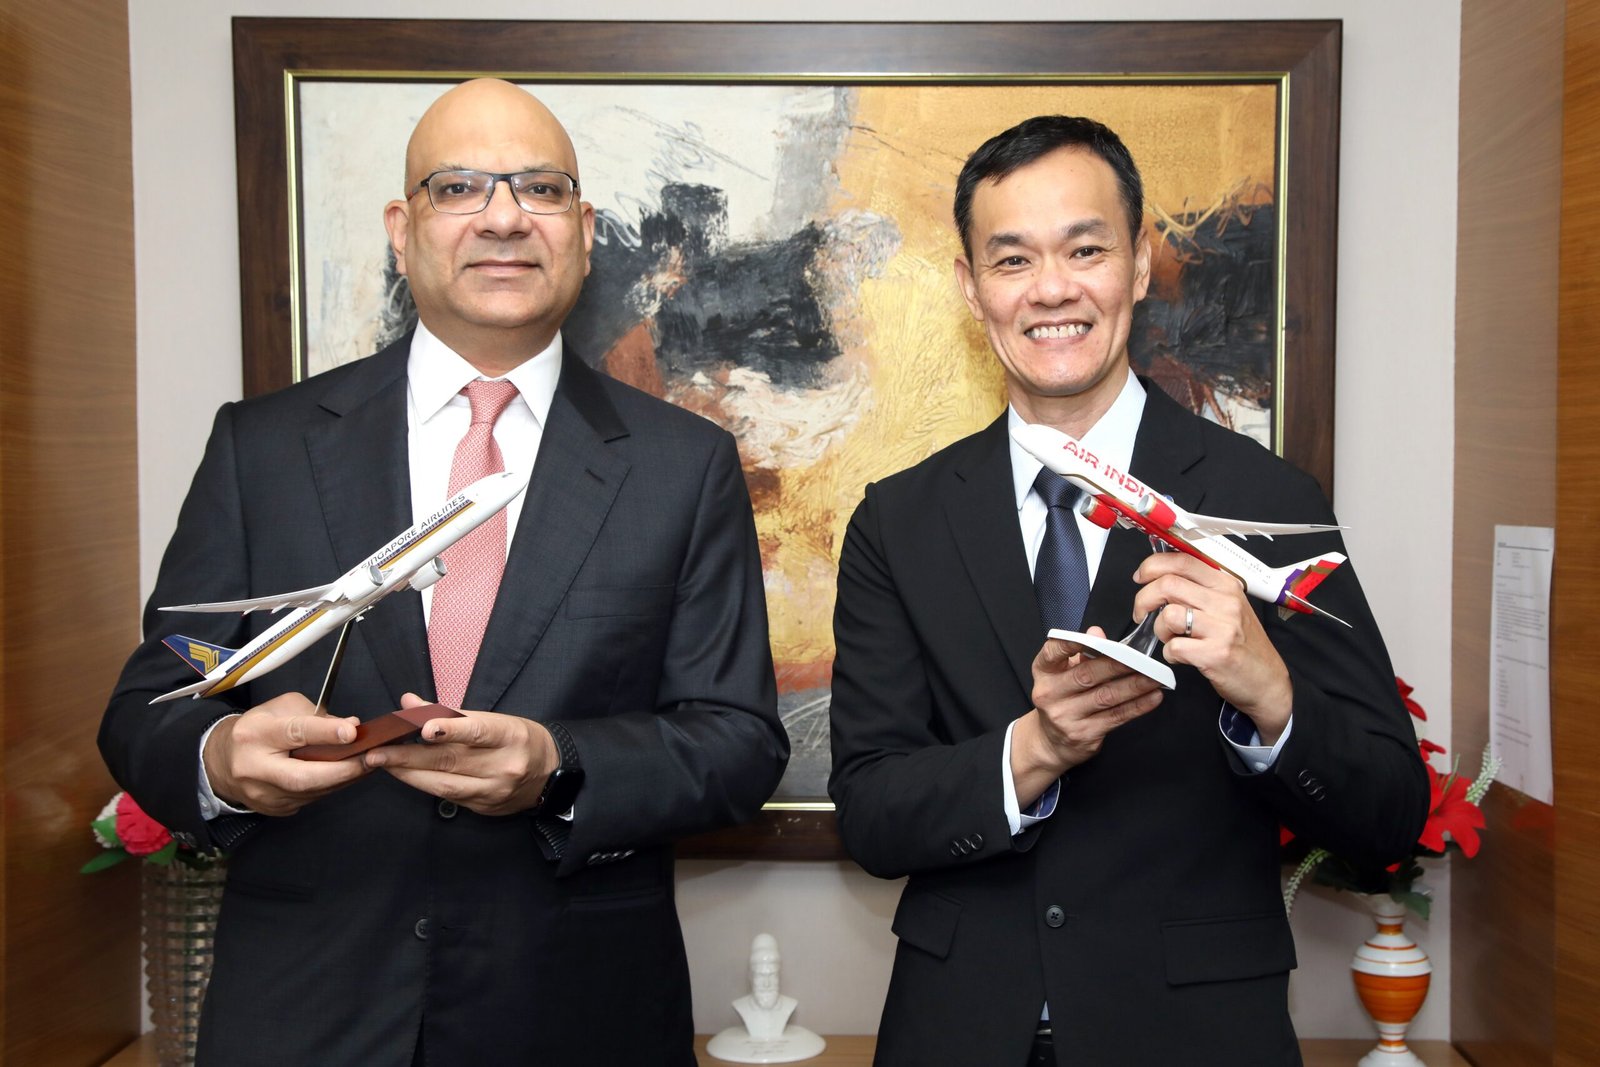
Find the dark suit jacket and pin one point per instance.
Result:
(631, 610)
(1146, 910)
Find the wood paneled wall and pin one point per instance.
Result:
(1526, 932)
(1509, 190)
(1576, 621)
(68, 522)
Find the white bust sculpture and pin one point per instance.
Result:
(766, 1036)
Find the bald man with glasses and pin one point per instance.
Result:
(471, 898)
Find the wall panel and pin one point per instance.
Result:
(1507, 233)
(1576, 622)
(68, 522)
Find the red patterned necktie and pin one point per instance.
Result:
(465, 595)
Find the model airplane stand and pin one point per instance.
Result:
(1138, 649)
(1125, 654)
(385, 730)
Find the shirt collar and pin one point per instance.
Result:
(436, 374)
(1111, 437)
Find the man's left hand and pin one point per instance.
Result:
(1225, 641)
(489, 763)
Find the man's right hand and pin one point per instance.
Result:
(247, 756)
(1077, 701)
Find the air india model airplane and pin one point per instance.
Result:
(411, 560)
(1112, 497)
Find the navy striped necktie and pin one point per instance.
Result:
(1061, 573)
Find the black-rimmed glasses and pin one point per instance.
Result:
(467, 192)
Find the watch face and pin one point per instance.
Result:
(561, 790)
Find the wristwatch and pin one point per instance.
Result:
(561, 788)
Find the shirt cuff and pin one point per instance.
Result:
(1017, 819)
(212, 805)
(1241, 733)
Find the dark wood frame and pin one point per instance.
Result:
(1303, 55)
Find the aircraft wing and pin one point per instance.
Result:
(1211, 526)
(301, 599)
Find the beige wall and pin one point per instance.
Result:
(1394, 421)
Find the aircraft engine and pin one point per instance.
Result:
(431, 572)
(1157, 511)
(1102, 515)
(358, 584)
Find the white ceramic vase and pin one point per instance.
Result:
(1391, 974)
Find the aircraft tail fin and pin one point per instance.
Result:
(1299, 579)
(203, 656)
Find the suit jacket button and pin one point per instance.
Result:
(1054, 917)
(955, 848)
(421, 929)
(976, 841)
(447, 809)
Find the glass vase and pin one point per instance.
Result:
(179, 904)
(1391, 973)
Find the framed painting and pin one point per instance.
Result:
(774, 243)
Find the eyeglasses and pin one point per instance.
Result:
(467, 192)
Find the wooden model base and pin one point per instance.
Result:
(384, 730)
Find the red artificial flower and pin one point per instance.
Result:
(140, 834)
(1451, 812)
(1429, 747)
(1285, 835)
(1405, 697)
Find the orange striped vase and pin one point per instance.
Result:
(1391, 973)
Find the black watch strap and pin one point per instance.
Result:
(566, 748)
(562, 785)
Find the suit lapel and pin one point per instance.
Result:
(981, 507)
(575, 480)
(361, 467)
(1166, 450)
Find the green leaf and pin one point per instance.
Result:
(163, 858)
(109, 858)
(1417, 902)
(107, 828)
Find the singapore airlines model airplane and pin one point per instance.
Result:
(411, 560)
(1114, 497)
